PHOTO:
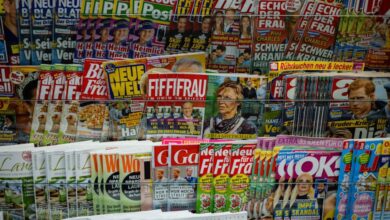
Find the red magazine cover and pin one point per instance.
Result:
(183, 168)
(94, 84)
(160, 177)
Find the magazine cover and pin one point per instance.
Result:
(365, 178)
(79, 52)
(160, 177)
(17, 197)
(379, 43)
(241, 161)
(42, 18)
(353, 117)
(270, 34)
(315, 188)
(111, 197)
(126, 80)
(67, 15)
(225, 36)
(345, 179)
(94, 84)
(8, 132)
(91, 28)
(57, 187)
(317, 40)
(245, 55)
(383, 166)
(202, 24)
(40, 183)
(183, 183)
(151, 34)
(204, 196)
(85, 187)
(71, 189)
(189, 92)
(19, 84)
(102, 36)
(130, 180)
(233, 110)
(221, 169)
(41, 107)
(3, 44)
(25, 32)
(69, 118)
(10, 22)
(118, 46)
(179, 36)
(95, 166)
(146, 183)
(56, 105)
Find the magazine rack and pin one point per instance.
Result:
(260, 200)
(346, 34)
(153, 120)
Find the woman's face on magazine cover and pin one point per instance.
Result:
(227, 101)
(121, 34)
(104, 35)
(304, 184)
(218, 19)
(146, 35)
(245, 23)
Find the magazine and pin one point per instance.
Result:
(315, 184)
(55, 106)
(17, 199)
(40, 183)
(150, 36)
(179, 36)
(41, 108)
(225, 36)
(94, 85)
(221, 169)
(201, 25)
(69, 119)
(204, 200)
(270, 34)
(110, 181)
(42, 19)
(345, 119)
(365, 178)
(25, 32)
(67, 15)
(3, 44)
(241, 119)
(71, 189)
(241, 161)
(160, 177)
(19, 85)
(130, 180)
(146, 183)
(183, 169)
(187, 94)
(245, 55)
(126, 80)
(85, 187)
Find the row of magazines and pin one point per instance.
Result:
(172, 96)
(287, 177)
(239, 36)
